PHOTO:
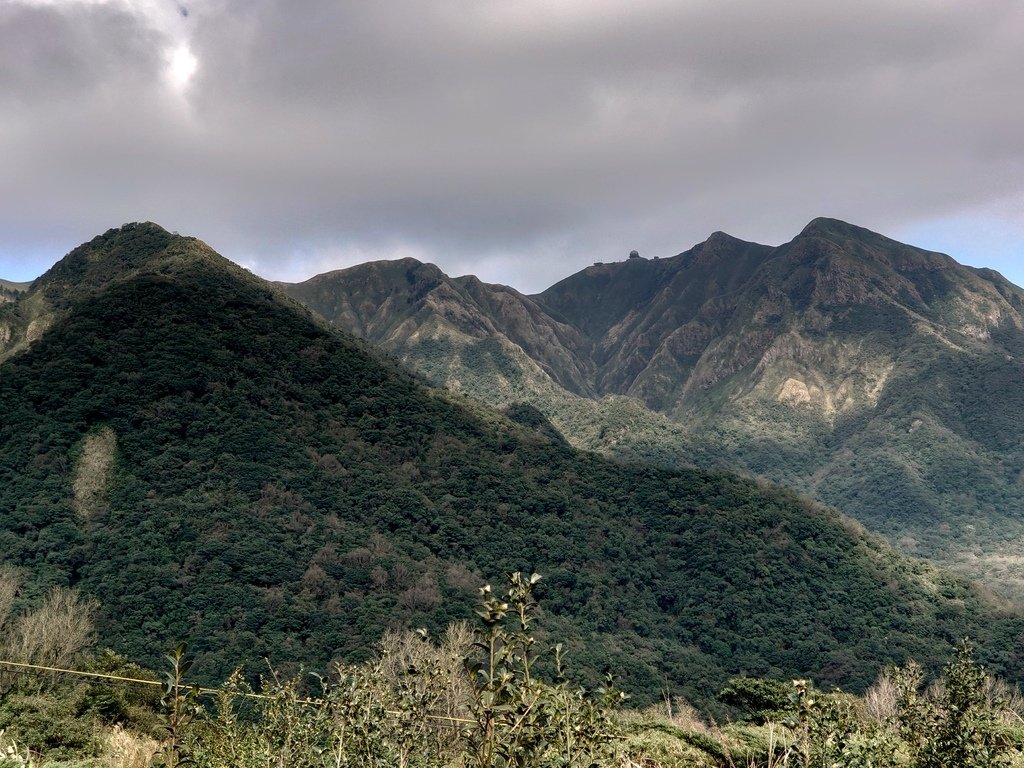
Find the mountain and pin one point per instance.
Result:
(213, 463)
(880, 378)
(8, 285)
(405, 305)
(10, 292)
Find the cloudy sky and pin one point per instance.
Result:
(518, 140)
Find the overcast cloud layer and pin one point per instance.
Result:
(518, 140)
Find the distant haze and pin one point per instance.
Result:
(518, 141)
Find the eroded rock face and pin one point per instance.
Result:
(421, 314)
(820, 322)
(831, 309)
(795, 392)
(37, 328)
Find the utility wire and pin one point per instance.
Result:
(23, 666)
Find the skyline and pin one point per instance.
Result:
(517, 141)
(1014, 272)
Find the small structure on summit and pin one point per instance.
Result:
(634, 254)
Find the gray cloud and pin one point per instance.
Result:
(515, 140)
(57, 55)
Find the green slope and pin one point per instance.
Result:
(212, 463)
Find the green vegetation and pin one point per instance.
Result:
(759, 700)
(479, 700)
(278, 490)
(41, 712)
(871, 375)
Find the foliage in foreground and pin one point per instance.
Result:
(964, 719)
(88, 721)
(481, 699)
(475, 700)
(386, 714)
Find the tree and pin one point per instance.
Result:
(54, 633)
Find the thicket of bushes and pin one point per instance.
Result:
(476, 700)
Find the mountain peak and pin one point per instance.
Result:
(413, 269)
(841, 232)
(823, 226)
(119, 253)
(859, 245)
(718, 236)
(719, 244)
(138, 227)
(132, 243)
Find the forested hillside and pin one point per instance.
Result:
(211, 462)
(878, 377)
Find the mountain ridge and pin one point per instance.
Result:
(15, 287)
(802, 362)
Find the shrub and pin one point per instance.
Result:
(758, 699)
(952, 722)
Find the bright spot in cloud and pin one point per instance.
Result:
(181, 66)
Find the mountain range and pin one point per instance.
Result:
(874, 376)
(213, 462)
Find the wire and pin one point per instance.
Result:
(82, 673)
(18, 665)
